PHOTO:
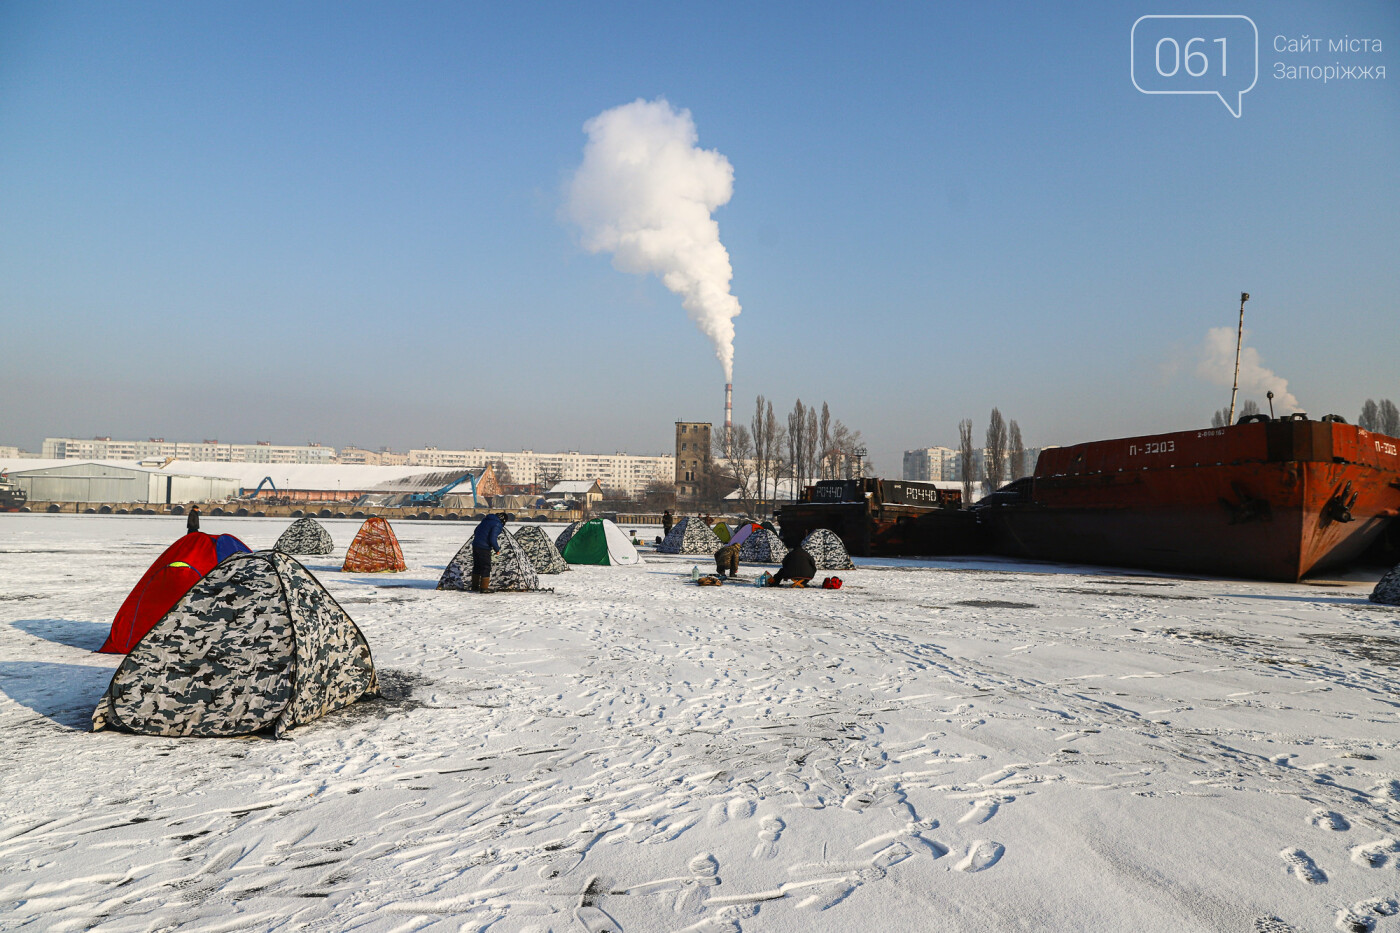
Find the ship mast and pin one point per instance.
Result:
(1239, 340)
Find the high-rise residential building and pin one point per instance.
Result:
(930, 464)
(208, 451)
(618, 474)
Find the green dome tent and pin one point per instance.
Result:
(599, 541)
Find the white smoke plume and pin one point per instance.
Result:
(644, 193)
(1217, 365)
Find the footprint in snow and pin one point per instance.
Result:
(1361, 916)
(1272, 925)
(770, 829)
(1389, 789)
(1302, 867)
(982, 811)
(1374, 854)
(981, 854)
(1329, 819)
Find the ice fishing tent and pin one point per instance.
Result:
(690, 536)
(177, 569)
(827, 550)
(374, 550)
(1387, 591)
(762, 547)
(599, 541)
(544, 556)
(722, 532)
(510, 569)
(305, 536)
(564, 536)
(257, 644)
(741, 532)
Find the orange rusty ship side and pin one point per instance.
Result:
(1270, 500)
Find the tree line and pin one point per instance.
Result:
(806, 446)
(1382, 417)
(1004, 456)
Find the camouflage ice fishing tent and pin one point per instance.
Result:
(305, 536)
(1387, 591)
(827, 550)
(690, 536)
(257, 644)
(510, 569)
(562, 541)
(544, 557)
(762, 547)
(374, 550)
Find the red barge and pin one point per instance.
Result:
(1267, 499)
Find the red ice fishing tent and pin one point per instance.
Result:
(180, 567)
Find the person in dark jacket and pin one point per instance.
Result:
(667, 522)
(192, 522)
(485, 541)
(798, 567)
(727, 558)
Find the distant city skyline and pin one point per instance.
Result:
(349, 223)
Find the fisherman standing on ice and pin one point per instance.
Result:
(485, 540)
(192, 522)
(666, 522)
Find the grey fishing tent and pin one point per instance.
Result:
(690, 536)
(827, 550)
(544, 557)
(257, 643)
(305, 536)
(762, 547)
(510, 568)
(565, 535)
(1387, 591)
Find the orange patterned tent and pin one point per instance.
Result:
(374, 550)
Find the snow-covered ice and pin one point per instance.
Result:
(962, 745)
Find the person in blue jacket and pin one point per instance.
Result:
(485, 540)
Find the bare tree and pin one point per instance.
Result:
(797, 445)
(768, 439)
(965, 458)
(811, 451)
(659, 494)
(1250, 407)
(734, 450)
(828, 467)
(1218, 419)
(503, 475)
(1018, 467)
(1370, 417)
(993, 457)
(776, 438)
(1389, 418)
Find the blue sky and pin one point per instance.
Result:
(341, 222)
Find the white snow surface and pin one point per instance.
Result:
(960, 745)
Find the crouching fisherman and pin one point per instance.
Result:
(727, 558)
(485, 540)
(798, 567)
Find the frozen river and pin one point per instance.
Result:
(938, 745)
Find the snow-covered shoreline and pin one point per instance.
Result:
(938, 745)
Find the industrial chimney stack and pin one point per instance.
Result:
(728, 410)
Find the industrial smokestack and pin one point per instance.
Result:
(728, 409)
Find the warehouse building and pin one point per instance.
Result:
(96, 481)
